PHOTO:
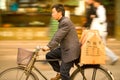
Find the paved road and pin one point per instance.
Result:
(8, 53)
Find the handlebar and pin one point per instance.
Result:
(37, 49)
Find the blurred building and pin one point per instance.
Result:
(31, 19)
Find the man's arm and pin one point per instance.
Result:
(59, 35)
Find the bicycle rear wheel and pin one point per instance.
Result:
(92, 72)
(16, 73)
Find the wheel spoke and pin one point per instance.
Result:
(91, 73)
(94, 73)
(16, 73)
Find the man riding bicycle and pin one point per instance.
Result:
(64, 45)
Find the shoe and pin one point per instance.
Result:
(57, 77)
(114, 61)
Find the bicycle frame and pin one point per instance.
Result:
(31, 66)
(30, 70)
(39, 72)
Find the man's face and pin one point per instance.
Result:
(56, 15)
(96, 4)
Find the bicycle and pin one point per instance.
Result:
(27, 71)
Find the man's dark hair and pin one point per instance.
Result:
(59, 8)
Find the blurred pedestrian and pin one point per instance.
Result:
(64, 44)
(99, 23)
(90, 10)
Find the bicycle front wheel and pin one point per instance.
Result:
(16, 73)
(91, 72)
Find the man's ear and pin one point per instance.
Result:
(60, 13)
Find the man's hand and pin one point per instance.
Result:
(45, 48)
(92, 16)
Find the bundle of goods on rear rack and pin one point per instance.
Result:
(93, 49)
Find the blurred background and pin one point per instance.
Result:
(31, 19)
(28, 23)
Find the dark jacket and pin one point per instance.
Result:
(91, 10)
(66, 37)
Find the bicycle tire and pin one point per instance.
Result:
(16, 73)
(92, 72)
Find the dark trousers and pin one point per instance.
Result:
(63, 68)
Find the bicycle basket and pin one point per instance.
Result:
(24, 56)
